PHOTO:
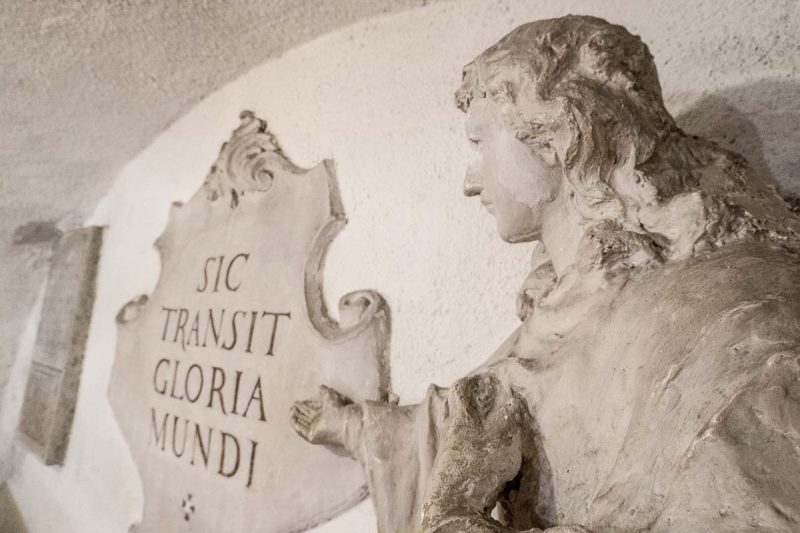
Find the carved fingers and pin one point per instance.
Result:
(323, 421)
(304, 417)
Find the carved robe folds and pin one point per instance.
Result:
(669, 401)
(653, 385)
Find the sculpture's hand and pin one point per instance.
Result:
(333, 420)
(482, 450)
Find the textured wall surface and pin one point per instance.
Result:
(86, 85)
(378, 98)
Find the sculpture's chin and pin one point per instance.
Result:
(518, 222)
(514, 237)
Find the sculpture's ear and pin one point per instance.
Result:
(545, 125)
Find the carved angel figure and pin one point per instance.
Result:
(654, 383)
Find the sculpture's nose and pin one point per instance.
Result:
(472, 185)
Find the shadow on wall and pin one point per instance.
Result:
(759, 121)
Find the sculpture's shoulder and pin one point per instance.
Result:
(711, 364)
(706, 328)
(741, 471)
(737, 269)
(733, 467)
(736, 283)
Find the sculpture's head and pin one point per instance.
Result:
(572, 108)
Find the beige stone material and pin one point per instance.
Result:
(208, 366)
(654, 383)
(51, 393)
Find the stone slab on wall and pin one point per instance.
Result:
(54, 378)
(208, 366)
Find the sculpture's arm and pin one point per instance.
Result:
(464, 444)
(481, 452)
(395, 444)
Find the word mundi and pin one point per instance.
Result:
(218, 451)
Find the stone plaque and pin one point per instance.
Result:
(52, 389)
(208, 366)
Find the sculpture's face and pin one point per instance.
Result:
(514, 185)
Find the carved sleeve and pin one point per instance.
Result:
(397, 446)
(480, 453)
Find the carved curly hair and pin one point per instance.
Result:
(588, 91)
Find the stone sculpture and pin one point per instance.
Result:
(653, 384)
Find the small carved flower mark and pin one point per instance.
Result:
(188, 507)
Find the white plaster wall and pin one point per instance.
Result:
(377, 98)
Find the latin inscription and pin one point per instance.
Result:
(236, 330)
(184, 376)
